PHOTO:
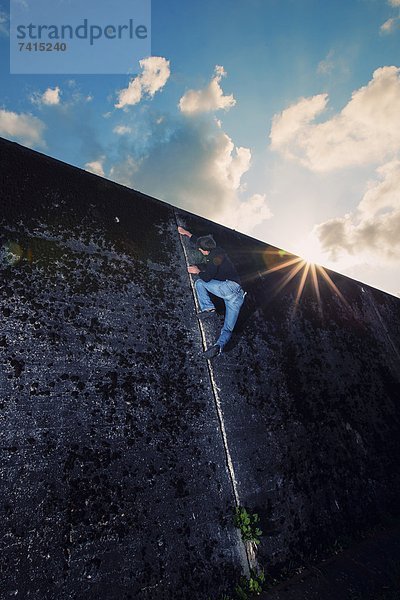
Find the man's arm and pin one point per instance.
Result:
(192, 238)
(184, 232)
(193, 269)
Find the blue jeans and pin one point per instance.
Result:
(233, 296)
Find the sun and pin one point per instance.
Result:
(304, 267)
(308, 260)
(310, 252)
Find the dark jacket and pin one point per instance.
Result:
(217, 265)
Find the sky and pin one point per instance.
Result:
(277, 118)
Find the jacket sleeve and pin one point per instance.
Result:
(209, 270)
(193, 241)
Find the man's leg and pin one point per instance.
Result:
(233, 305)
(203, 296)
(233, 296)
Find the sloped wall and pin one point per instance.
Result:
(311, 403)
(114, 471)
(114, 481)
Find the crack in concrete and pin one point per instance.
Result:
(248, 557)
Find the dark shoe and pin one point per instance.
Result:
(205, 314)
(212, 352)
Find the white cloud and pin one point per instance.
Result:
(22, 127)
(367, 130)
(292, 122)
(50, 97)
(326, 66)
(154, 76)
(124, 171)
(394, 2)
(336, 63)
(198, 167)
(122, 129)
(208, 99)
(195, 166)
(96, 166)
(390, 25)
(373, 230)
(248, 214)
(65, 100)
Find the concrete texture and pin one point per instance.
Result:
(114, 482)
(123, 451)
(311, 405)
(368, 571)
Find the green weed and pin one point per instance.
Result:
(247, 588)
(248, 525)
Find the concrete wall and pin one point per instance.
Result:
(123, 451)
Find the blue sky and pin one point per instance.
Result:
(278, 118)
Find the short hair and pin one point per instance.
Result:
(206, 242)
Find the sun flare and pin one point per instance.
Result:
(305, 268)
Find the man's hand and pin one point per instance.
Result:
(184, 232)
(193, 270)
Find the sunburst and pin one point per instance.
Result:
(308, 269)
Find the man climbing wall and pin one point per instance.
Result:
(217, 275)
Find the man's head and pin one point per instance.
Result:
(206, 243)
